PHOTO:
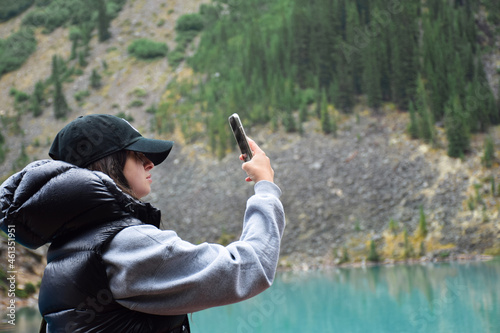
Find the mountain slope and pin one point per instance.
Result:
(339, 192)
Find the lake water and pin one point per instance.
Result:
(437, 298)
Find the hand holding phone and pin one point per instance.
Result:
(257, 166)
(240, 136)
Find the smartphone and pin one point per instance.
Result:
(240, 136)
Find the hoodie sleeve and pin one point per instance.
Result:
(154, 271)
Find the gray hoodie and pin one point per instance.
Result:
(154, 271)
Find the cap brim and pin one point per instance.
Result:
(155, 150)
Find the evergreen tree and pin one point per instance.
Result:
(81, 59)
(393, 226)
(103, 20)
(422, 249)
(37, 99)
(75, 36)
(373, 255)
(353, 47)
(74, 47)
(343, 85)
(326, 124)
(303, 112)
(372, 76)
(345, 256)
(288, 119)
(472, 107)
(95, 79)
(436, 53)
(493, 11)
(60, 105)
(404, 30)
(457, 130)
(422, 223)
(425, 119)
(323, 41)
(408, 251)
(384, 65)
(413, 126)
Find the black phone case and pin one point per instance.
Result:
(240, 136)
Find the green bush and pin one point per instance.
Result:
(30, 288)
(16, 49)
(10, 8)
(123, 115)
(57, 13)
(147, 49)
(19, 96)
(136, 103)
(210, 13)
(189, 22)
(175, 58)
(54, 14)
(373, 255)
(49, 19)
(80, 95)
(95, 79)
(184, 38)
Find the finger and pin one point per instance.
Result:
(253, 146)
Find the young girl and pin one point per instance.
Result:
(109, 267)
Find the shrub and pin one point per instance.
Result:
(16, 49)
(57, 13)
(408, 251)
(393, 226)
(95, 79)
(37, 98)
(123, 115)
(136, 103)
(9, 8)
(210, 13)
(373, 255)
(189, 22)
(422, 224)
(140, 92)
(175, 58)
(183, 38)
(147, 49)
(80, 95)
(30, 288)
(308, 96)
(345, 256)
(19, 96)
(152, 109)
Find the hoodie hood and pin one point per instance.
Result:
(48, 199)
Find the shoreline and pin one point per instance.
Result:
(319, 264)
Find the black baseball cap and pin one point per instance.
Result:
(92, 137)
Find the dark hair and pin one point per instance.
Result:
(113, 165)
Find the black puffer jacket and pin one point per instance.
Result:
(78, 211)
(49, 199)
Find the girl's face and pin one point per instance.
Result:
(136, 171)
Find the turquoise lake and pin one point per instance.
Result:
(437, 298)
